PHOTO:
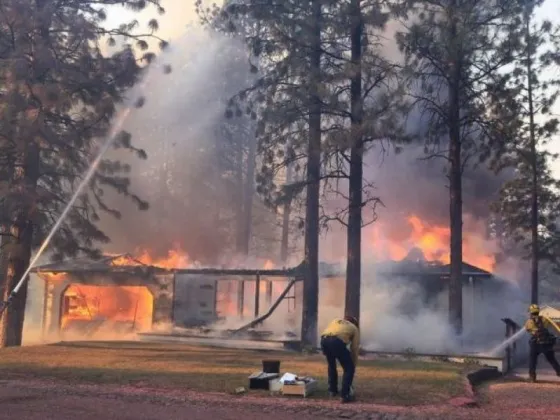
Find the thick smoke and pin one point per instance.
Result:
(177, 127)
(414, 183)
(185, 178)
(394, 316)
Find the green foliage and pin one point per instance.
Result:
(277, 36)
(514, 207)
(532, 88)
(458, 47)
(60, 93)
(454, 51)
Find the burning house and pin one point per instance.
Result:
(115, 293)
(119, 295)
(417, 286)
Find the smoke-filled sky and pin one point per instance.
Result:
(177, 127)
(168, 114)
(182, 12)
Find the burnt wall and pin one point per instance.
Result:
(162, 290)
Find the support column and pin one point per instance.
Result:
(46, 292)
(257, 294)
(269, 292)
(240, 298)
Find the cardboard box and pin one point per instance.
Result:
(300, 388)
(275, 386)
(261, 380)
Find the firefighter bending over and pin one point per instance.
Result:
(341, 341)
(541, 341)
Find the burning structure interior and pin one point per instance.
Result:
(427, 283)
(120, 295)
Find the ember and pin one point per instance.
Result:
(393, 241)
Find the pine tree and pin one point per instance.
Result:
(454, 50)
(367, 110)
(60, 93)
(285, 88)
(534, 190)
(285, 41)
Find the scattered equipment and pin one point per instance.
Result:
(261, 380)
(299, 386)
(289, 384)
(270, 371)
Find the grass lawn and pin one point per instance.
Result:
(209, 369)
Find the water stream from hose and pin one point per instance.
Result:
(496, 351)
(117, 126)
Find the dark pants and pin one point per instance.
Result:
(334, 349)
(534, 350)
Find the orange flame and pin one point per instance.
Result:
(395, 242)
(132, 305)
(175, 258)
(269, 265)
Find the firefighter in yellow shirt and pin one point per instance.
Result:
(341, 341)
(541, 341)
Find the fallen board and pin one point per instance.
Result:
(301, 389)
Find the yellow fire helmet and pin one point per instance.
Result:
(534, 309)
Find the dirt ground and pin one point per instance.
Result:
(32, 399)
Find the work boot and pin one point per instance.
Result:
(347, 399)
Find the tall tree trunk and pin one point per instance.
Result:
(311, 282)
(286, 218)
(354, 235)
(455, 185)
(534, 169)
(24, 182)
(239, 196)
(248, 194)
(19, 246)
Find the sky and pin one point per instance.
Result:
(551, 11)
(180, 13)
